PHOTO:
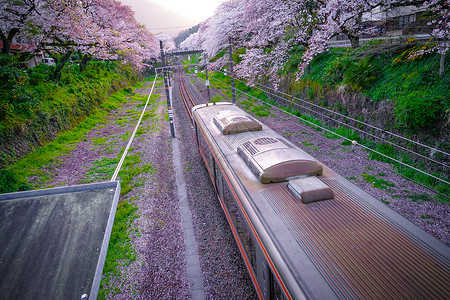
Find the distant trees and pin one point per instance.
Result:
(272, 29)
(99, 29)
(185, 34)
(191, 42)
(168, 42)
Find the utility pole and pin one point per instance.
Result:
(169, 105)
(233, 89)
(207, 80)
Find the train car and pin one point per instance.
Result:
(304, 231)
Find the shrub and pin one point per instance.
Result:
(361, 75)
(335, 71)
(16, 94)
(39, 74)
(418, 111)
(9, 182)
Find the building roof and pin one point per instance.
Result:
(54, 241)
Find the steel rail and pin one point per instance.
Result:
(185, 95)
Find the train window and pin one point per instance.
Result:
(276, 292)
(207, 153)
(219, 181)
(197, 134)
(240, 223)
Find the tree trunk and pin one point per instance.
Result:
(7, 40)
(60, 65)
(354, 40)
(85, 59)
(353, 35)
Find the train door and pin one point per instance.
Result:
(197, 133)
(262, 273)
(206, 153)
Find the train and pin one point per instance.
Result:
(304, 231)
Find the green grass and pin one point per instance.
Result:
(100, 141)
(45, 104)
(36, 163)
(384, 201)
(259, 109)
(131, 170)
(420, 198)
(120, 250)
(101, 170)
(377, 182)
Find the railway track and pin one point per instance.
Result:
(186, 96)
(225, 277)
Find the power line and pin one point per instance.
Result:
(343, 137)
(351, 119)
(364, 132)
(176, 27)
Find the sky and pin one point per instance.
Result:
(199, 10)
(172, 16)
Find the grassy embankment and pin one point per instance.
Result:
(421, 97)
(34, 109)
(82, 101)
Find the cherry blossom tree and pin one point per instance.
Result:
(272, 30)
(227, 22)
(275, 28)
(168, 42)
(442, 28)
(61, 26)
(120, 35)
(340, 16)
(191, 42)
(101, 29)
(15, 16)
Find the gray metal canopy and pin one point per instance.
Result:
(53, 242)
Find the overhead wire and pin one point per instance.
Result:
(351, 119)
(355, 128)
(362, 131)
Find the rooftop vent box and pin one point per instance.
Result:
(273, 160)
(310, 189)
(230, 122)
